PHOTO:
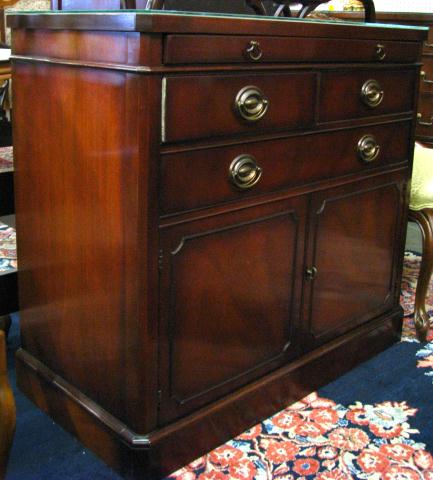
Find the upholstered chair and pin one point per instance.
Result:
(421, 212)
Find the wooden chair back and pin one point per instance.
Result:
(284, 6)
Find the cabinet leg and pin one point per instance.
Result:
(5, 324)
(424, 218)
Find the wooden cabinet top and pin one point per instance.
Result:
(417, 18)
(185, 22)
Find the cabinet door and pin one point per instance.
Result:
(229, 301)
(353, 257)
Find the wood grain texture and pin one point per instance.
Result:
(163, 311)
(427, 79)
(7, 410)
(347, 86)
(224, 322)
(425, 122)
(285, 164)
(202, 106)
(356, 259)
(183, 441)
(424, 133)
(79, 180)
(130, 49)
(186, 49)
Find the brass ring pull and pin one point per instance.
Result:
(368, 148)
(311, 273)
(251, 103)
(424, 124)
(254, 51)
(372, 93)
(244, 172)
(424, 78)
(380, 51)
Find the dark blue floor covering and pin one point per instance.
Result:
(391, 376)
(43, 450)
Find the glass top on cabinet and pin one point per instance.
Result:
(183, 13)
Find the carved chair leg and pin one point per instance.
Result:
(424, 218)
(7, 410)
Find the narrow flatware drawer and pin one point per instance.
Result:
(208, 49)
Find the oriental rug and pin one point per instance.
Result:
(375, 422)
(8, 253)
(6, 159)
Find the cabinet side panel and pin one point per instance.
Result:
(77, 158)
(88, 46)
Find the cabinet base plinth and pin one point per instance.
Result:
(168, 448)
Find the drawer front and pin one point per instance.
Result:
(425, 116)
(426, 81)
(210, 176)
(217, 105)
(189, 49)
(365, 93)
(428, 45)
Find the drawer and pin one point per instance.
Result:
(425, 116)
(205, 177)
(426, 79)
(216, 105)
(353, 94)
(428, 44)
(207, 49)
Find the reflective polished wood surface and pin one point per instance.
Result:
(7, 410)
(203, 242)
(424, 131)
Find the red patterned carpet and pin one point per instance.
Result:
(8, 254)
(6, 159)
(317, 438)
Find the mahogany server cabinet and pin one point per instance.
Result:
(211, 214)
